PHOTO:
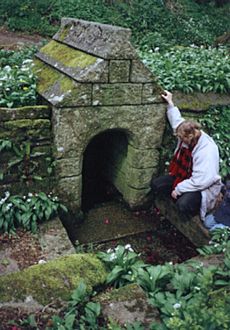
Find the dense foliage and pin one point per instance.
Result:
(27, 211)
(152, 21)
(191, 69)
(216, 122)
(188, 296)
(17, 81)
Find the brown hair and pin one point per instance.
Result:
(188, 128)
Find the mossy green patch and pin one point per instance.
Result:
(48, 77)
(67, 55)
(55, 279)
(27, 123)
(127, 292)
(64, 32)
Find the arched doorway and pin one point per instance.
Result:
(101, 163)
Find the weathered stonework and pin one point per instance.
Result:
(93, 78)
(119, 71)
(29, 129)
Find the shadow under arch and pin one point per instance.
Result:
(102, 160)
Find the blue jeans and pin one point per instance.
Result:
(211, 223)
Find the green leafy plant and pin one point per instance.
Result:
(27, 211)
(220, 241)
(123, 264)
(80, 314)
(22, 161)
(191, 69)
(216, 122)
(17, 81)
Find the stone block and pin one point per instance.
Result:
(59, 89)
(102, 40)
(75, 63)
(27, 112)
(192, 228)
(68, 167)
(142, 158)
(69, 189)
(119, 71)
(151, 93)
(139, 178)
(140, 73)
(116, 94)
(127, 305)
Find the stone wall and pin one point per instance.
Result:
(26, 149)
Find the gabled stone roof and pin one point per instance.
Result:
(83, 54)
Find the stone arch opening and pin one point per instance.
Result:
(102, 166)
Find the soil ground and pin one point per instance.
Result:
(13, 40)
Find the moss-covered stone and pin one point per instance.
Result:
(59, 89)
(55, 279)
(47, 77)
(27, 112)
(27, 123)
(68, 56)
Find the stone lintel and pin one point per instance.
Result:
(117, 94)
(102, 40)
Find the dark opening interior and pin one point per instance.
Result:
(101, 161)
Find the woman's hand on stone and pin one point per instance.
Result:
(167, 96)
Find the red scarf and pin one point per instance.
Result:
(181, 164)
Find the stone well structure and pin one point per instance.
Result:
(107, 114)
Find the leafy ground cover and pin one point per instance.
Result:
(187, 295)
(190, 69)
(152, 21)
(17, 81)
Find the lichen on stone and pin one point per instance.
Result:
(67, 55)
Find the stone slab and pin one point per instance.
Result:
(193, 229)
(102, 40)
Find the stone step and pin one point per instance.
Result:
(193, 228)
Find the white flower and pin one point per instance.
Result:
(176, 306)
(128, 247)
(7, 194)
(30, 195)
(27, 61)
(28, 299)
(112, 257)
(28, 200)
(41, 262)
(197, 288)
(109, 250)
